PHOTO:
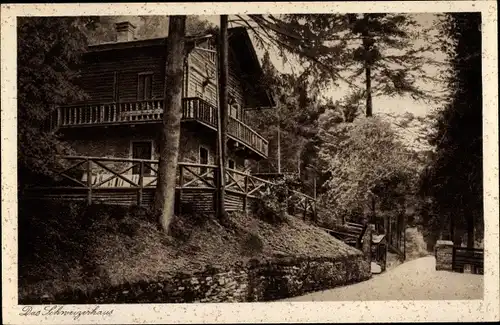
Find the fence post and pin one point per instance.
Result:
(101, 113)
(305, 208)
(315, 211)
(453, 253)
(59, 118)
(89, 181)
(141, 183)
(181, 184)
(216, 194)
(245, 198)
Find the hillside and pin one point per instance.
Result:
(97, 247)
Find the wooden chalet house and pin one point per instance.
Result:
(114, 132)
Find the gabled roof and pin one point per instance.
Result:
(239, 43)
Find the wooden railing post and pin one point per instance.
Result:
(101, 113)
(59, 117)
(305, 209)
(245, 198)
(315, 211)
(216, 176)
(181, 184)
(141, 183)
(89, 181)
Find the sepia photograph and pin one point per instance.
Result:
(279, 157)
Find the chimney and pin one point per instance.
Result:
(124, 31)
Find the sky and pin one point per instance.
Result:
(395, 105)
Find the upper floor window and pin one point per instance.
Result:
(234, 111)
(198, 90)
(207, 50)
(145, 86)
(212, 54)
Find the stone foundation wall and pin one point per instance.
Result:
(254, 282)
(444, 255)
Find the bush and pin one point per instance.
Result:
(415, 244)
(252, 245)
(272, 206)
(56, 238)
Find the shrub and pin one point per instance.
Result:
(252, 245)
(415, 244)
(272, 206)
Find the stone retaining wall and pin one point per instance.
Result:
(254, 282)
(444, 255)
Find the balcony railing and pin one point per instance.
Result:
(193, 108)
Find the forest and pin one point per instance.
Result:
(358, 161)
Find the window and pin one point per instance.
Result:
(234, 110)
(145, 86)
(231, 164)
(198, 90)
(203, 160)
(142, 150)
(213, 54)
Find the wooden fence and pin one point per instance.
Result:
(464, 258)
(133, 181)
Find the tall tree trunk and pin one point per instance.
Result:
(369, 105)
(470, 231)
(373, 216)
(279, 144)
(452, 230)
(223, 103)
(298, 164)
(171, 130)
(368, 44)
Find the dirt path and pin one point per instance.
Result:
(414, 280)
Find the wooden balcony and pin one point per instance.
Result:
(151, 111)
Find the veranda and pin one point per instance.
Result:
(121, 181)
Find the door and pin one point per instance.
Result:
(203, 160)
(142, 150)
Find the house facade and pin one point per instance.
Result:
(125, 81)
(114, 131)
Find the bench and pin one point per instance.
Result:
(468, 257)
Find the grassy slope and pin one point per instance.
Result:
(112, 247)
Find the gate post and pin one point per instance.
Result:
(444, 255)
